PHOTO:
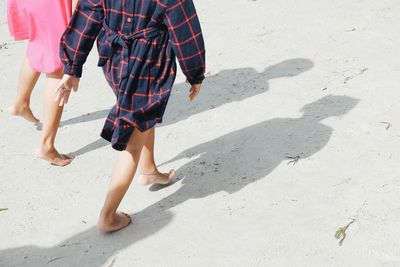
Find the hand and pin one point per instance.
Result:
(194, 91)
(67, 84)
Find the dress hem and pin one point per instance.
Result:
(121, 146)
(46, 71)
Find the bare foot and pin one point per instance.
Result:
(51, 155)
(23, 111)
(120, 220)
(156, 177)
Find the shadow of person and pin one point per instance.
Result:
(88, 248)
(237, 159)
(92, 116)
(99, 143)
(229, 86)
(100, 114)
(222, 88)
(228, 163)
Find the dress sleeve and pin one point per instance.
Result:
(186, 38)
(79, 37)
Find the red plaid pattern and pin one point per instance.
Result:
(137, 41)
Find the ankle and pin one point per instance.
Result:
(46, 146)
(148, 170)
(22, 103)
(107, 216)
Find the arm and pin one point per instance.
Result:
(186, 39)
(76, 43)
(79, 37)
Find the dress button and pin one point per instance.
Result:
(129, 20)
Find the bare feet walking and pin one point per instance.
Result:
(23, 111)
(156, 177)
(114, 223)
(51, 155)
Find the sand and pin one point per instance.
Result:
(285, 145)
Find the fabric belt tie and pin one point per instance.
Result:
(114, 41)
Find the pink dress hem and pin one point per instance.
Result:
(42, 23)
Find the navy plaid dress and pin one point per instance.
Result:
(137, 41)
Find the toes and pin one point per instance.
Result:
(127, 217)
(126, 214)
(24, 112)
(61, 162)
(34, 120)
(66, 157)
(121, 220)
(157, 178)
(171, 174)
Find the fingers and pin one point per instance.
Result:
(61, 102)
(75, 84)
(62, 94)
(67, 84)
(194, 91)
(66, 96)
(58, 94)
(192, 94)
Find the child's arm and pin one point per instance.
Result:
(79, 37)
(186, 38)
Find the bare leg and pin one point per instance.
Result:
(52, 117)
(123, 172)
(27, 81)
(150, 174)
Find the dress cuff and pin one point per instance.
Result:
(196, 80)
(73, 70)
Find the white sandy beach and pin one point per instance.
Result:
(313, 79)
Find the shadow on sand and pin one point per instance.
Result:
(228, 163)
(224, 87)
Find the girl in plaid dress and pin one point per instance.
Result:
(41, 22)
(137, 41)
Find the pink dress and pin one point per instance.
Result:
(42, 22)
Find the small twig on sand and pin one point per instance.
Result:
(55, 259)
(341, 232)
(71, 244)
(3, 209)
(112, 262)
(348, 78)
(294, 159)
(3, 46)
(343, 182)
(388, 124)
(352, 30)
